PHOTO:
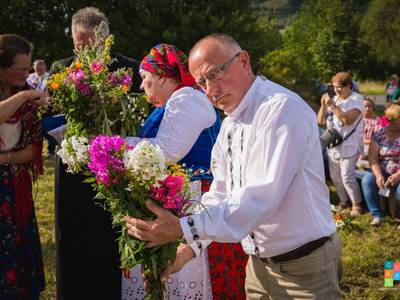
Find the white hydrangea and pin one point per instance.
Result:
(146, 162)
(74, 152)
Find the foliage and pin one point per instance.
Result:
(323, 36)
(380, 27)
(139, 25)
(285, 68)
(94, 99)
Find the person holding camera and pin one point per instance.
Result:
(384, 158)
(342, 113)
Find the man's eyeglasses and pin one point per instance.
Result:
(217, 73)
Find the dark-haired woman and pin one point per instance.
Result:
(21, 268)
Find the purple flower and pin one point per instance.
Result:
(127, 80)
(113, 79)
(96, 67)
(84, 88)
(106, 157)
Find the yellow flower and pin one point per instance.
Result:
(68, 69)
(54, 85)
(180, 174)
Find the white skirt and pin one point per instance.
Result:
(192, 282)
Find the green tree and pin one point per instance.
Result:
(284, 67)
(381, 31)
(326, 36)
(138, 25)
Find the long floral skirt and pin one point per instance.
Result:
(21, 266)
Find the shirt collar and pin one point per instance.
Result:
(235, 115)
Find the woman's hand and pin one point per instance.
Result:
(38, 98)
(380, 181)
(394, 178)
(184, 254)
(325, 100)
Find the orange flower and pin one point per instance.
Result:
(339, 217)
(78, 65)
(55, 85)
(124, 88)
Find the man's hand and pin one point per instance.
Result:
(166, 228)
(184, 254)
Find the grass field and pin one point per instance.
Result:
(365, 248)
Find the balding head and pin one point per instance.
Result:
(220, 41)
(222, 69)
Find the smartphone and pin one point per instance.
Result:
(331, 91)
(384, 191)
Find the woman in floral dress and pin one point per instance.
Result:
(384, 158)
(21, 268)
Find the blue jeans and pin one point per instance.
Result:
(370, 190)
(50, 123)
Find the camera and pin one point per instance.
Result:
(330, 91)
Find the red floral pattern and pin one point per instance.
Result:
(227, 262)
(227, 270)
(21, 267)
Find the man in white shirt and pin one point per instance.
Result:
(38, 79)
(269, 189)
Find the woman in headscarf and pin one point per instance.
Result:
(185, 125)
(21, 267)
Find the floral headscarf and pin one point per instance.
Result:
(168, 61)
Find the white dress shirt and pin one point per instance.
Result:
(187, 113)
(354, 144)
(38, 82)
(269, 187)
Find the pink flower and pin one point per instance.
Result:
(168, 193)
(106, 158)
(96, 67)
(76, 75)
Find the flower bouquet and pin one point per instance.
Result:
(341, 219)
(95, 100)
(124, 178)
